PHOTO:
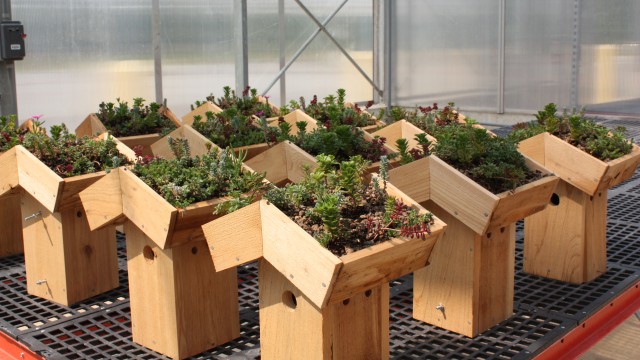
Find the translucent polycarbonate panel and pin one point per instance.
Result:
(445, 51)
(321, 69)
(538, 54)
(80, 53)
(197, 50)
(610, 56)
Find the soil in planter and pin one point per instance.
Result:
(574, 128)
(345, 212)
(187, 180)
(68, 155)
(140, 119)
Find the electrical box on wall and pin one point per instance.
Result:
(12, 40)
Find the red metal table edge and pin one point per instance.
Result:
(11, 348)
(581, 338)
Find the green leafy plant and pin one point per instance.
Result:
(409, 155)
(491, 161)
(10, 136)
(187, 180)
(342, 142)
(248, 104)
(343, 210)
(577, 130)
(139, 119)
(69, 156)
(333, 111)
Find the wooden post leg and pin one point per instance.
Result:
(468, 286)
(10, 225)
(65, 261)
(568, 240)
(179, 305)
(291, 327)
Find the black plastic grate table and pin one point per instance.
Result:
(544, 309)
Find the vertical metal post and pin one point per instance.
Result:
(501, 54)
(388, 35)
(376, 49)
(282, 41)
(157, 53)
(575, 54)
(241, 42)
(8, 96)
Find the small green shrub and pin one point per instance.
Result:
(577, 130)
(248, 104)
(345, 212)
(332, 111)
(10, 136)
(140, 119)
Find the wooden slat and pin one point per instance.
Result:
(400, 130)
(38, 180)
(297, 255)
(198, 144)
(165, 111)
(30, 125)
(122, 148)
(381, 263)
(523, 201)
(235, 238)
(620, 169)
(140, 140)
(573, 165)
(533, 148)
(146, 209)
(90, 126)
(460, 196)
(252, 150)
(273, 162)
(189, 221)
(9, 179)
(297, 160)
(293, 117)
(73, 185)
(102, 200)
(413, 179)
(275, 109)
(11, 225)
(202, 111)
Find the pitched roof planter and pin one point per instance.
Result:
(567, 241)
(180, 305)
(477, 249)
(322, 305)
(92, 126)
(66, 262)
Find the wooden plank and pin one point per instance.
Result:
(272, 162)
(523, 201)
(360, 325)
(207, 308)
(151, 286)
(102, 200)
(251, 150)
(573, 165)
(460, 196)
(555, 237)
(9, 179)
(297, 255)
(378, 264)
(198, 144)
(413, 179)
(38, 180)
(165, 111)
(140, 140)
(30, 124)
(533, 148)
(275, 109)
(122, 148)
(90, 126)
(235, 238)
(620, 169)
(189, 221)
(202, 111)
(289, 330)
(72, 186)
(595, 262)
(297, 160)
(11, 225)
(146, 209)
(400, 130)
(293, 117)
(495, 278)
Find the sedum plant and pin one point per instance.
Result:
(577, 130)
(344, 211)
(186, 180)
(248, 104)
(10, 135)
(332, 111)
(341, 142)
(139, 119)
(68, 155)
